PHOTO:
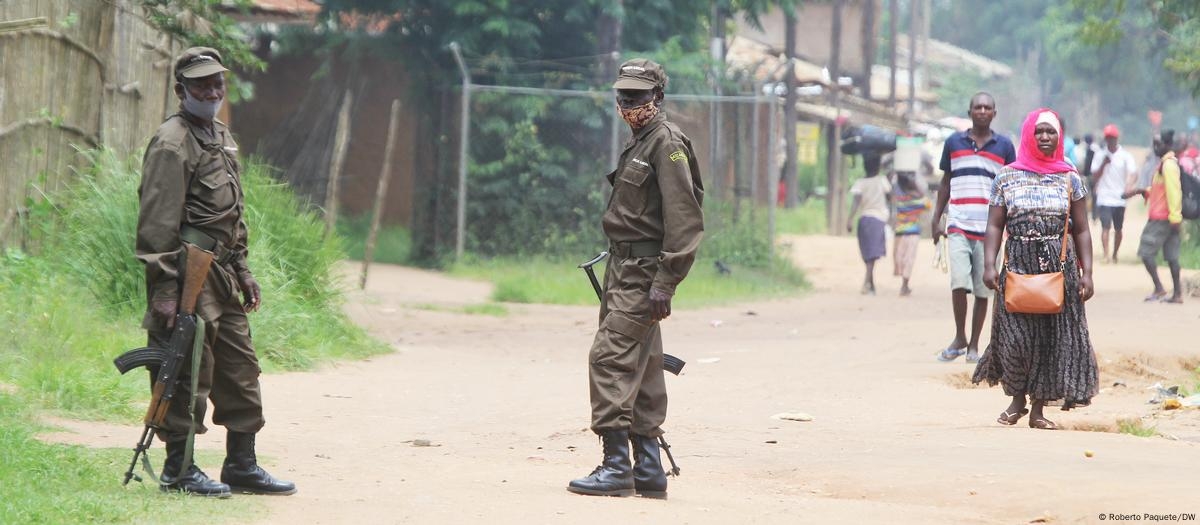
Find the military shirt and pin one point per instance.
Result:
(191, 176)
(657, 196)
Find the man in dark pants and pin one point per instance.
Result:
(1164, 200)
(191, 191)
(970, 160)
(654, 224)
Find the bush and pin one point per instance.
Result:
(69, 308)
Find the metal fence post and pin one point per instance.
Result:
(464, 137)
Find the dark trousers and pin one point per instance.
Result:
(628, 390)
(228, 377)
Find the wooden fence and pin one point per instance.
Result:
(74, 74)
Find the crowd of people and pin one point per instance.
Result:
(1037, 198)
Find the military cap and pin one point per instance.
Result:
(198, 62)
(640, 73)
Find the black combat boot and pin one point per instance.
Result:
(649, 478)
(614, 477)
(241, 470)
(193, 480)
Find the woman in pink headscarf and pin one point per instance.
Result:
(1045, 357)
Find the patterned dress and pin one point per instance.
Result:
(1047, 357)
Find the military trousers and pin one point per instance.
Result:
(229, 373)
(628, 390)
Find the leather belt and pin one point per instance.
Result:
(625, 250)
(204, 241)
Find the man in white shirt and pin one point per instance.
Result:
(1114, 171)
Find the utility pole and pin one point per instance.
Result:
(868, 44)
(464, 137)
(833, 179)
(912, 58)
(715, 124)
(789, 109)
(893, 28)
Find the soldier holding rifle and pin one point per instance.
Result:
(191, 192)
(654, 225)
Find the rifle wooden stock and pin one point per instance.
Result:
(156, 413)
(198, 262)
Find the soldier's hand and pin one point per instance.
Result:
(251, 293)
(660, 304)
(164, 311)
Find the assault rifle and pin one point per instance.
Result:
(166, 363)
(671, 363)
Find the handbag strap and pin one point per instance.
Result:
(1062, 256)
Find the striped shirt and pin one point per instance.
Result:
(971, 170)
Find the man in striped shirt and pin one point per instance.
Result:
(970, 160)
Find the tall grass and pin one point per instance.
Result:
(808, 218)
(70, 308)
(393, 244)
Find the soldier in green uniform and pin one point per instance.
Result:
(191, 190)
(654, 225)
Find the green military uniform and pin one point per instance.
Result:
(191, 188)
(191, 192)
(654, 224)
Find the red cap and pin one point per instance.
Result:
(1112, 131)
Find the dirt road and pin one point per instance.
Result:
(897, 437)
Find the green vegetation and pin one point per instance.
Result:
(492, 309)
(393, 244)
(76, 302)
(43, 483)
(543, 280)
(1189, 255)
(1135, 427)
(808, 218)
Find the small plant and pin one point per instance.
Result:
(1135, 427)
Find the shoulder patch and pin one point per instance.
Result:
(678, 156)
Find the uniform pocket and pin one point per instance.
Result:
(631, 187)
(214, 187)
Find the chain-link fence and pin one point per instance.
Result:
(537, 160)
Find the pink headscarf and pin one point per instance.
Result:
(1029, 157)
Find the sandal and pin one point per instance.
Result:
(1155, 297)
(950, 354)
(972, 356)
(1008, 418)
(1042, 423)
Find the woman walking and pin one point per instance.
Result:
(911, 202)
(1045, 357)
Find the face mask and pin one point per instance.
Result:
(201, 108)
(639, 116)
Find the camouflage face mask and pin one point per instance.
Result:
(639, 116)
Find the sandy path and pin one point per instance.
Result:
(896, 438)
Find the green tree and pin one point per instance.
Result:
(535, 161)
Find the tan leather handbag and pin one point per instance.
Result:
(1040, 293)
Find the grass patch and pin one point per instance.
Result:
(808, 218)
(44, 483)
(75, 303)
(393, 244)
(546, 281)
(492, 309)
(1135, 427)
